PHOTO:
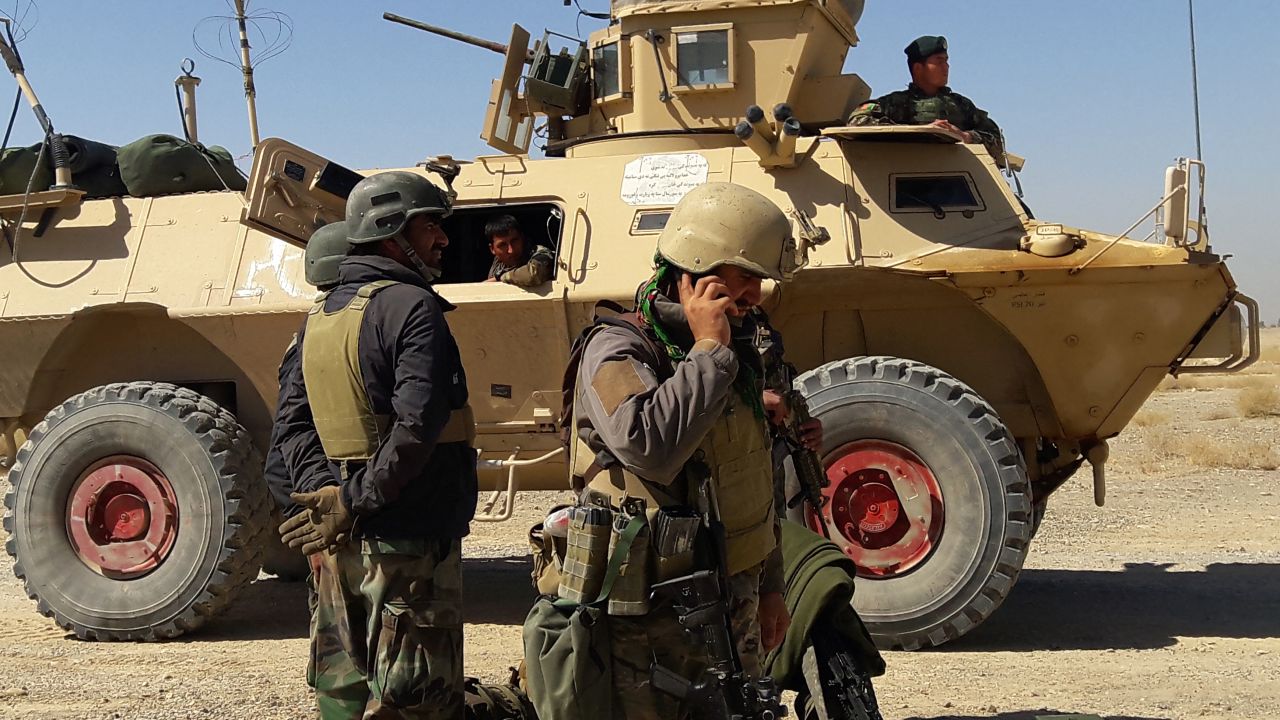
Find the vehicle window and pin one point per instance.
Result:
(649, 222)
(934, 193)
(702, 57)
(604, 64)
(468, 258)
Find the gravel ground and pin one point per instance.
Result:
(1164, 605)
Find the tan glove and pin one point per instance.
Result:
(323, 523)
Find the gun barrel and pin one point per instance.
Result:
(451, 34)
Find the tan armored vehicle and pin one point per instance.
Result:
(965, 357)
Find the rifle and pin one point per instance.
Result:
(845, 685)
(723, 691)
(780, 376)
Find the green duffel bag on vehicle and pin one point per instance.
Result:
(567, 654)
(16, 164)
(164, 164)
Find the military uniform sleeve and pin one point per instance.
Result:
(869, 113)
(420, 404)
(302, 465)
(533, 273)
(984, 130)
(653, 426)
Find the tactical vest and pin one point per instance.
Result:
(344, 419)
(736, 451)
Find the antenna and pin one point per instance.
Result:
(232, 32)
(1195, 76)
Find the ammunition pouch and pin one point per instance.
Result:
(568, 658)
(548, 558)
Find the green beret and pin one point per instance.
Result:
(924, 46)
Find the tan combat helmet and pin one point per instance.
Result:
(721, 223)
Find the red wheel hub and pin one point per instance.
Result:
(884, 507)
(122, 517)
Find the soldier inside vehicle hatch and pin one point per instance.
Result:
(512, 263)
(928, 101)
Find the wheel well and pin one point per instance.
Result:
(875, 311)
(142, 344)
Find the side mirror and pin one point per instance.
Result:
(1175, 196)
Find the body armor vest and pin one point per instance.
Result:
(340, 408)
(737, 451)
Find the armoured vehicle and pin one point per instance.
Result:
(966, 357)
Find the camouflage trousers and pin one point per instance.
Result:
(638, 642)
(386, 630)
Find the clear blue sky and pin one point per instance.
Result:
(1095, 93)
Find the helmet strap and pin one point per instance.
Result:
(428, 273)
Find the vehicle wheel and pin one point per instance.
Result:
(135, 512)
(928, 495)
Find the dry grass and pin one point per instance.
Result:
(1150, 417)
(1219, 413)
(1206, 452)
(1213, 382)
(1259, 401)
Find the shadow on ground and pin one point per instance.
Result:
(1033, 715)
(496, 591)
(1144, 606)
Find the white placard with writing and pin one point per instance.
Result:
(662, 179)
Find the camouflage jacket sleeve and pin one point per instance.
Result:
(869, 113)
(651, 426)
(891, 109)
(984, 130)
(533, 273)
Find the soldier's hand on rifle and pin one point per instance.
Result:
(706, 305)
(775, 407)
(811, 434)
(774, 620)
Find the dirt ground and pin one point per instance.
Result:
(1163, 605)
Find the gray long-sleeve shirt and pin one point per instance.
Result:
(653, 425)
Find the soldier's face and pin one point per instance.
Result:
(427, 239)
(934, 71)
(507, 249)
(743, 287)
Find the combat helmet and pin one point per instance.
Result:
(380, 207)
(324, 253)
(720, 223)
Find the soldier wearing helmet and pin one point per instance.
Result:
(325, 249)
(674, 395)
(386, 394)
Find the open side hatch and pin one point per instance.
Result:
(293, 191)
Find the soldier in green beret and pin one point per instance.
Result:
(928, 100)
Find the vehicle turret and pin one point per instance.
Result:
(687, 70)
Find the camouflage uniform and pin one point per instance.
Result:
(387, 630)
(535, 270)
(913, 107)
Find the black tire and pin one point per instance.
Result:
(221, 501)
(980, 474)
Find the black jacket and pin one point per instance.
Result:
(412, 487)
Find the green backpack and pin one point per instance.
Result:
(568, 658)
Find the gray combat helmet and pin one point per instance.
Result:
(324, 253)
(380, 205)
